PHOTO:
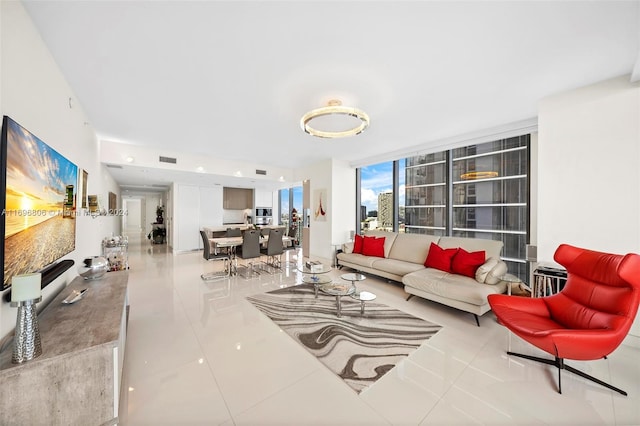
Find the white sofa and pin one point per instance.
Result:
(404, 258)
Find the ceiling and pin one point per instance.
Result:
(231, 79)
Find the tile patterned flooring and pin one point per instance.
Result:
(199, 354)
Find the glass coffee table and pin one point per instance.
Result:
(353, 277)
(363, 296)
(316, 276)
(338, 290)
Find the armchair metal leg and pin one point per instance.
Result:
(409, 297)
(477, 320)
(559, 363)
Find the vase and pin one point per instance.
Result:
(93, 267)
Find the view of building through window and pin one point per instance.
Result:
(291, 216)
(478, 191)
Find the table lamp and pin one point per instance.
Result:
(25, 293)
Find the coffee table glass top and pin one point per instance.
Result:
(364, 296)
(353, 277)
(510, 278)
(319, 269)
(316, 279)
(336, 289)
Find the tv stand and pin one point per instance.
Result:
(49, 273)
(77, 378)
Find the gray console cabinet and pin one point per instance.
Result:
(76, 380)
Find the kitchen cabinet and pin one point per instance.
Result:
(263, 198)
(237, 198)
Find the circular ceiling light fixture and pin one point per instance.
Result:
(335, 121)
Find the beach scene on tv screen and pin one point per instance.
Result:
(40, 204)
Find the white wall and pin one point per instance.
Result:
(589, 181)
(34, 92)
(343, 197)
(588, 170)
(338, 178)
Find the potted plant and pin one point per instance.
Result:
(157, 235)
(159, 213)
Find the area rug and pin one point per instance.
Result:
(358, 348)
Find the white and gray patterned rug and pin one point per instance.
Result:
(358, 348)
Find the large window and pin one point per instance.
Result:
(291, 214)
(426, 194)
(479, 191)
(490, 196)
(376, 197)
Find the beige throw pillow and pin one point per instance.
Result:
(491, 271)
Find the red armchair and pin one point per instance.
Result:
(587, 320)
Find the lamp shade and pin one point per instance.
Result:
(25, 287)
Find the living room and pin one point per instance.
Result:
(585, 191)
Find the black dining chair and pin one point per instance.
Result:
(274, 249)
(209, 254)
(250, 249)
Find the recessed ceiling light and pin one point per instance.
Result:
(199, 169)
(130, 159)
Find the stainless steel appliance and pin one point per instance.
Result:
(264, 212)
(264, 215)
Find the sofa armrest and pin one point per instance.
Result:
(347, 247)
(491, 271)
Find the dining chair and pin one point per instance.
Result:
(210, 254)
(250, 249)
(292, 248)
(274, 249)
(233, 232)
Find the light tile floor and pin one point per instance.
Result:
(198, 353)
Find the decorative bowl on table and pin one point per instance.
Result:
(93, 267)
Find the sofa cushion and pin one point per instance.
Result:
(389, 238)
(491, 271)
(412, 247)
(358, 259)
(348, 247)
(357, 244)
(452, 286)
(465, 263)
(396, 267)
(491, 247)
(440, 258)
(373, 246)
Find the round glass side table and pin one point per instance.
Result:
(511, 280)
(354, 278)
(363, 296)
(315, 276)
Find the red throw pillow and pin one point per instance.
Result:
(357, 244)
(440, 258)
(373, 246)
(465, 263)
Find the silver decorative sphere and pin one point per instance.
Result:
(93, 267)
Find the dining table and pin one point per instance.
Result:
(231, 243)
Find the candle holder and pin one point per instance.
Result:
(26, 342)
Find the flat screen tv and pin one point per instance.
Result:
(38, 209)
